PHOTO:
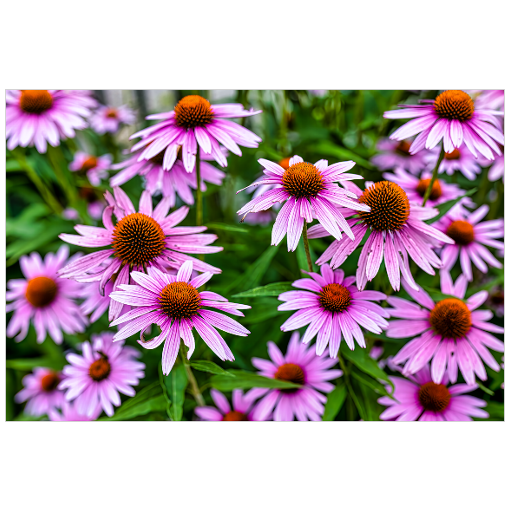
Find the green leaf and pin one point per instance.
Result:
(245, 380)
(330, 149)
(273, 289)
(361, 359)
(147, 406)
(176, 383)
(224, 226)
(28, 364)
(446, 206)
(252, 276)
(496, 410)
(334, 403)
(370, 405)
(371, 383)
(209, 366)
(484, 388)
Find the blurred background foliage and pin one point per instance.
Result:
(333, 125)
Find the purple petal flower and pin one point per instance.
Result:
(108, 119)
(395, 154)
(301, 366)
(241, 410)
(421, 398)
(460, 159)
(95, 167)
(69, 413)
(177, 307)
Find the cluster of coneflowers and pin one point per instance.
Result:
(147, 270)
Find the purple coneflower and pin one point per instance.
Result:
(241, 410)
(491, 99)
(139, 240)
(497, 169)
(396, 229)
(40, 389)
(454, 118)
(96, 168)
(104, 369)
(309, 191)
(195, 120)
(44, 298)
(469, 236)
(459, 159)
(420, 398)
(395, 154)
(35, 117)
(168, 182)
(416, 187)
(107, 119)
(451, 332)
(332, 306)
(69, 413)
(177, 307)
(300, 365)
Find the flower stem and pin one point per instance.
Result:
(200, 211)
(191, 378)
(434, 177)
(350, 388)
(307, 247)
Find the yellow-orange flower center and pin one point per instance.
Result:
(452, 155)
(35, 101)
(389, 206)
(434, 397)
(284, 163)
(454, 105)
(180, 300)
(335, 297)
(111, 113)
(303, 180)
(41, 291)
(450, 318)
(435, 192)
(291, 373)
(89, 163)
(138, 239)
(192, 112)
(403, 148)
(100, 369)
(235, 416)
(49, 382)
(461, 232)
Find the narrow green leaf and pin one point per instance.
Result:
(28, 364)
(245, 380)
(446, 206)
(209, 366)
(371, 383)
(370, 405)
(176, 383)
(147, 406)
(273, 289)
(361, 359)
(252, 276)
(224, 226)
(484, 388)
(330, 149)
(334, 403)
(496, 410)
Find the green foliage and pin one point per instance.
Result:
(334, 403)
(273, 289)
(245, 380)
(176, 383)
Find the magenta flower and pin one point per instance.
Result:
(107, 119)
(415, 188)
(195, 120)
(44, 298)
(454, 118)
(420, 398)
(396, 229)
(35, 117)
(177, 307)
(241, 410)
(491, 99)
(497, 170)
(69, 413)
(395, 154)
(139, 240)
(451, 332)
(469, 236)
(168, 182)
(332, 306)
(308, 191)
(302, 366)
(102, 371)
(459, 159)
(95, 168)
(40, 389)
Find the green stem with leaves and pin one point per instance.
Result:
(307, 247)
(352, 393)
(434, 177)
(195, 390)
